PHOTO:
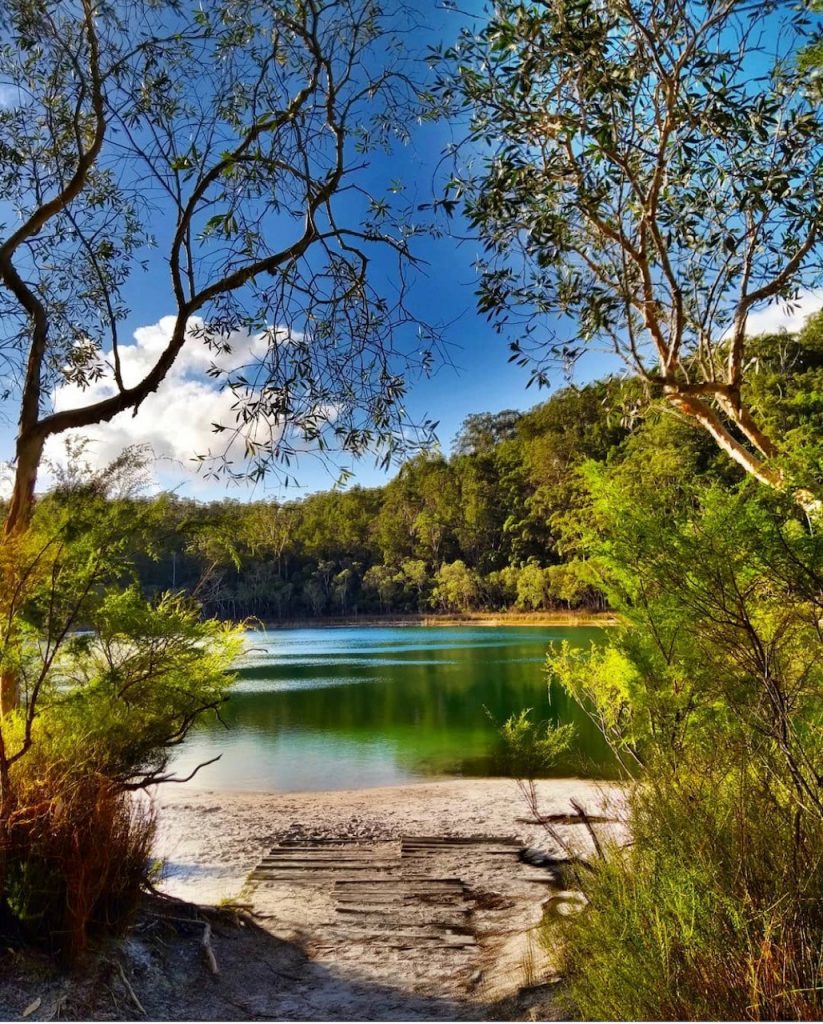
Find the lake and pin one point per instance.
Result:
(335, 708)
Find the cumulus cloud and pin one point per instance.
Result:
(778, 316)
(177, 420)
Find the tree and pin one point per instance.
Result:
(228, 146)
(650, 172)
(382, 579)
(532, 587)
(481, 431)
(456, 586)
(416, 577)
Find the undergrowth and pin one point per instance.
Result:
(705, 916)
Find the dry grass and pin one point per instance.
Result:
(76, 857)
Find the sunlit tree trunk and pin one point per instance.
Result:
(29, 453)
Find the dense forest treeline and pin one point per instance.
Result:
(482, 529)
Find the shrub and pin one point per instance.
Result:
(711, 695)
(77, 854)
(108, 684)
(714, 911)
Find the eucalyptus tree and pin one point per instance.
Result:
(216, 155)
(648, 172)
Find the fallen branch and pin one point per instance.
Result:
(130, 990)
(563, 819)
(208, 952)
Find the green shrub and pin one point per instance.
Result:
(711, 695)
(109, 684)
(714, 911)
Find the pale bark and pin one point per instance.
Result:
(703, 414)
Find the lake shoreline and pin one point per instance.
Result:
(434, 619)
(211, 840)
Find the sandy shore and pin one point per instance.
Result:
(211, 841)
(417, 902)
(444, 619)
(414, 902)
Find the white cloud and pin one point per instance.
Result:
(778, 316)
(176, 420)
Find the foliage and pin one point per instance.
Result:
(710, 693)
(713, 913)
(490, 506)
(505, 503)
(110, 683)
(643, 174)
(720, 593)
(76, 854)
(226, 146)
(530, 747)
(455, 586)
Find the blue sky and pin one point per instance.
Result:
(477, 378)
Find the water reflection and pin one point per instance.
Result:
(345, 708)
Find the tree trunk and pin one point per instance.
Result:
(29, 453)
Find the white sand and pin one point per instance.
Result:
(211, 841)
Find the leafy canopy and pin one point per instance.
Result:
(643, 174)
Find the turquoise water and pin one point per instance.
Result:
(318, 709)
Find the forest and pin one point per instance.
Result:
(486, 528)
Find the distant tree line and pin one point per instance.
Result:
(482, 529)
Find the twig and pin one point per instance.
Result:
(129, 989)
(579, 809)
(205, 942)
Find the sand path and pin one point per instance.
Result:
(385, 921)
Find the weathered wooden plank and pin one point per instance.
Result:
(406, 880)
(402, 883)
(323, 841)
(408, 937)
(331, 865)
(429, 851)
(294, 877)
(322, 858)
(400, 901)
(462, 840)
(332, 848)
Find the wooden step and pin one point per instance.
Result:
(460, 841)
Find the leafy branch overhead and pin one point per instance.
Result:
(224, 156)
(645, 173)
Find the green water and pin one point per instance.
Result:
(319, 709)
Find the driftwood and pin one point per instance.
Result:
(564, 819)
(208, 951)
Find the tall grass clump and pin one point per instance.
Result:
(108, 684)
(710, 914)
(76, 858)
(711, 696)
